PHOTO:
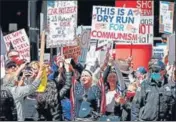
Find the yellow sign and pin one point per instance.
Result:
(43, 83)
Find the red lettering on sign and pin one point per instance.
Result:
(17, 33)
(65, 10)
(64, 23)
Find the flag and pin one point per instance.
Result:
(103, 95)
(72, 99)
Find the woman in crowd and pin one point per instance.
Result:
(87, 95)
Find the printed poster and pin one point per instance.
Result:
(20, 42)
(61, 23)
(166, 17)
(146, 19)
(114, 23)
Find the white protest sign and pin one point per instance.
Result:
(166, 17)
(2, 66)
(20, 42)
(113, 23)
(62, 23)
(158, 51)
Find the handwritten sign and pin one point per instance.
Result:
(146, 19)
(20, 42)
(61, 22)
(166, 17)
(113, 23)
(2, 66)
(71, 51)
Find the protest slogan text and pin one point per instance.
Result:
(61, 23)
(112, 23)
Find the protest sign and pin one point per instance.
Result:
(172, 52)
(146, 19)
(61, 23)
(158, 51)
(20, 42)
(101, 44)
(2, 66)
(71, 51)
(166, 17)
(112, 23)
(84, 34)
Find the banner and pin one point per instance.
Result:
(61, 22)
(2, 66)
(146, 19)
(20, 42)
(166, 17)
(112, 23)
(71, 51)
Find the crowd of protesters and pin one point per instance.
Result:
(111, 91)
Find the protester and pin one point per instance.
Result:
(155, 101)
(19, 92)
(87, 95)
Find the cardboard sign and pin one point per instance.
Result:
(20, 42)
(2, 66)
(71, 51)
(166, 17)
(146, 19)
(113, 23)
(61, 22)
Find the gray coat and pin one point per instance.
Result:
(19, 92)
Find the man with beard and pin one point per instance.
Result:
(19, 92)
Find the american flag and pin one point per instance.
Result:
(72, 99)
(103, 95)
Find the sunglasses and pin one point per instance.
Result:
(11, 66)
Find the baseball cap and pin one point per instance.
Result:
(157, 66)
(9, 63)
(141, 69)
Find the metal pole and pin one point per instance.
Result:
(32, 12)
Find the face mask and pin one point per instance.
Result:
(156, 76)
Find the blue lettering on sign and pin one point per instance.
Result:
(104, 18)
(105, 11)
(119, 27)
(121, 12)
(121, 19)
(130, 13)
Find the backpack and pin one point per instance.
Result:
(66, 108)
(7, 106)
